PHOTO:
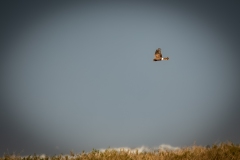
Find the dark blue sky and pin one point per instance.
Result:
(80, 75)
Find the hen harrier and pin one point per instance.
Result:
(158, 55)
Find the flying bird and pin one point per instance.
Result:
(158, 55)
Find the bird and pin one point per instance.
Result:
(158, 55)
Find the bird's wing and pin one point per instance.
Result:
(158, 53)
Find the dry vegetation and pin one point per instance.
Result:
(223, 151)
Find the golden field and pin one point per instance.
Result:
(222, 151)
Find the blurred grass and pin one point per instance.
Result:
(222, 151)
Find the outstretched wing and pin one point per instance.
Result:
(158, 54)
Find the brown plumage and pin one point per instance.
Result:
(158, 55)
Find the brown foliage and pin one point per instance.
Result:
(223, 151)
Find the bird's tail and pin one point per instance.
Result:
(165, 58)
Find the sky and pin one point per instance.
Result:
(78, 75)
